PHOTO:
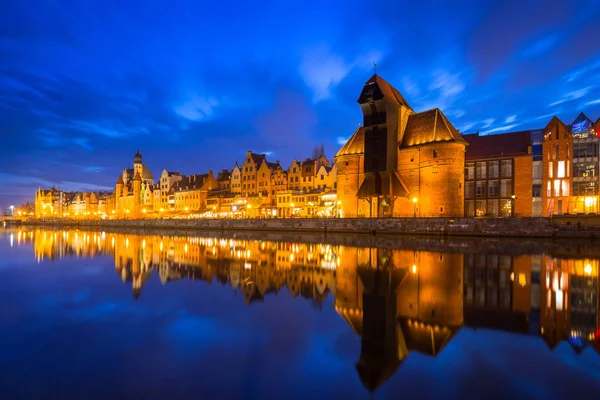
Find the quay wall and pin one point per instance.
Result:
(565, 227)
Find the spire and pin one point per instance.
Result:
(374, 68)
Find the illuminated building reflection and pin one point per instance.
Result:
(398, 301)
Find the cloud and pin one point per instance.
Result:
(574, 95)
(322, 70)
(93, 169)
(501, 129)
(84, 143)
(510, 119)
(467, 127)
(592, 102)
(197, 108)
(541, 45)
(448, 84)
(578, 73)
(488, 122)
(341, 140)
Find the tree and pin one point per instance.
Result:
(318, 151)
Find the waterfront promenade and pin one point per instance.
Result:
(585, 227)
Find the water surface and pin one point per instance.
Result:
(110, 315)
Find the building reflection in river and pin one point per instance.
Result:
(399, 301)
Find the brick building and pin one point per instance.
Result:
(557, 178)
(411, 163)
(499, 175)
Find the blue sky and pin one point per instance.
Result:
(196, 84)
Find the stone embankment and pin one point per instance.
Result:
(562, 227)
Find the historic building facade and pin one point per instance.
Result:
(557, 178)
(131, 188)
(411, 164)
(498, 175)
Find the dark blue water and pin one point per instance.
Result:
(92, 315)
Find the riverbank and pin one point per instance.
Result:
(584, 227)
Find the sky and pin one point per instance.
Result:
(194, 85)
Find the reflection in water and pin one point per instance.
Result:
(398, 301)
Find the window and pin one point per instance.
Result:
(561, 170)
(556, 187)
(567, 150)
(469, 208)
(505, 188)
(492, 208)
(550, 169)
(480, 192)
(506, 168)
(435, 170)
(565, 188)
(537, 190)
(537, 170)
(469, 190)
(506, 207)
(469, 171)
(480, 208)
(493, 169)
(435, 154)
(480, 170)
(493, 189)
(549, 191)
(441, 211)
(555, 151)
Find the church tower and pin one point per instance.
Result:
(137, 164)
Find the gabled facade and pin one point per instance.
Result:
(249, 171)
(167, 180)
(294, 174)
(557, 152)
(236, 179)
(190, 193)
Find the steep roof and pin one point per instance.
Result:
(581, 118)
(120, 180)
(191, 182)
(354, 145)
(386, 89)
(258, 158)
(428, 127)
(501, 145)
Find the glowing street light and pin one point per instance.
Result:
(415, 201)
(588, 269)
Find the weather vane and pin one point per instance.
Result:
(375, 68)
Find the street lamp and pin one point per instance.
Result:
(512, 205)
(415, 201)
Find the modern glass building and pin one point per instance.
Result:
(586, 145)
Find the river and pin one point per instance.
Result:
(93, 314)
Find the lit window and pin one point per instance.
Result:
(565, 188)
(549, 192)
(550, 170)
(561, 170)
(557, 187)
